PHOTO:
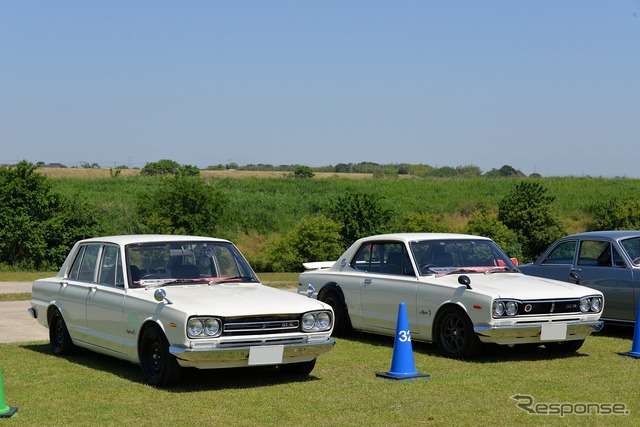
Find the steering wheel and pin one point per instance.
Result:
(150, 276)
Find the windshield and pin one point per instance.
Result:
(180, 262)
(450, 256)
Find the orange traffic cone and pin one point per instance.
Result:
(402, 365)
(5, 411)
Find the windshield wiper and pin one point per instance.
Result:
(503, 269)
(232, 279)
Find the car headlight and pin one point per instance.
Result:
(596, 304)
(316, 321)
(505, 308)
(498, 308)
(511, 308)
(590, 304)
(203, 327)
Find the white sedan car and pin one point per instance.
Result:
(168, 302)
(459, 290)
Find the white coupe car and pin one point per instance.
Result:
(459, 290)
(168, 302)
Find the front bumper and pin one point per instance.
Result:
(533, 332)
(213, 357)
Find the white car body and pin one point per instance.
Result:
(108, 310)
(366, 295)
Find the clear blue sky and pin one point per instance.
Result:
(545, 86)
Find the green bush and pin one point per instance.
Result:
(316, 238)
(38, 226)
(183, 205)
(168, 167)
(528, 211)
(424, 222)
(484, 224)
(615, 214)
(360, 215)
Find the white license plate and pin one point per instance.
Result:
(269, 355)
(553, 331)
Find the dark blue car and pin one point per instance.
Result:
(608, 261)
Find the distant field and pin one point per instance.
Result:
(92, 173)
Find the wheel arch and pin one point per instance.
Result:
(441, 309)
(332, 286)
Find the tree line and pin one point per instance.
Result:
(167, 166)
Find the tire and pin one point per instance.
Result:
(564, 346)
(159, 367)
(300, 368)
(341, 321)
(455, 335)
(59, 338)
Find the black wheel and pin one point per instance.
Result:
(159, 367)
(341, 321)
(564, 346)
(455, 335)
(61, 343)
(300, 368)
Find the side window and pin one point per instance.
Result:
(562, 254)
(396, 260)
(594, 253)
(363, 259)
(75, 268)
(84, 266)
(111, 267)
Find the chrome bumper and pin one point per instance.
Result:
(213, 357)
(531, 333)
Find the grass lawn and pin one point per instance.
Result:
(90, 389)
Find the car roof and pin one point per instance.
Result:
(148, 238)
(410, 237)
(606, 234)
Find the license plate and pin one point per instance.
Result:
(553, 331)
(269, 355)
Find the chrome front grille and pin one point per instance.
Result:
(262, 325)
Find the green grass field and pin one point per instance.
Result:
(90, 389)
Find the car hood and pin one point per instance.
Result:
(519, 286)
(233, 299)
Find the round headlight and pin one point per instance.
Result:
(596, 304)
(585, 305)
(323, 320)
(511, 308)
(498, 308)
(195, 327)
(211, 327)
(308, 321)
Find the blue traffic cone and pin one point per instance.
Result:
(402, 366)
(635, 347)
(5, 411)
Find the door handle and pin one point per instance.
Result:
(367, 281)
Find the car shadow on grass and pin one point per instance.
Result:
(490, 353)
(191, 379)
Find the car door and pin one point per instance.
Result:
(601, 266)
(75, 288)
(388, 281)
(105, 302)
